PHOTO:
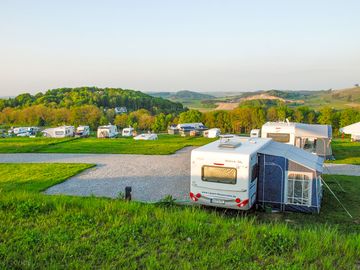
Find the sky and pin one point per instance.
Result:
(171, 45)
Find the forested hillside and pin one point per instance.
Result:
(105, 98)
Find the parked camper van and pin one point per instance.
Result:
(146, 137)
(236, 172)
(128, 132)
(109, 131)
(255, 133)
(82, 131)
(59, 132)
(312, 138)
(212, 133)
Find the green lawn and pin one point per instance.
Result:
(40, 231)
(166, 144)
(345, 152)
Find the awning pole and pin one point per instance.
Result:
(337, 198)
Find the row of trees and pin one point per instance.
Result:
(239, 120)
(243, 119)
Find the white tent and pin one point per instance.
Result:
(353, 129)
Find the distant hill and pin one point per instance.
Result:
(100, 97)
(340, 99)
(182, 95)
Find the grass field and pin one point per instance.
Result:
(40, 231)
(166, 144)
(345, 152)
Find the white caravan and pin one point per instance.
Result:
(146, 137)
(224, 173)
(255, 133)
(312, 138)
(109, 131)
(59, 132)
(82, 131)
(128, 132)
(212, 133)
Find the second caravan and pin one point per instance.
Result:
(109, 131)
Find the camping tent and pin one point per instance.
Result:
(289, 178)
(354, 130)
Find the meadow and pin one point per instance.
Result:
(41, 231)
(345, 151)
(165, 145)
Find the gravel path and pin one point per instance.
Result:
(342, 169)
(151, 177)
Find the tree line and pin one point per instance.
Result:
(239, 120)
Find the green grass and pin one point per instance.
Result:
(40, 231)
(166, 144)
(345, 152)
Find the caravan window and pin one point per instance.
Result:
(279, 137)
(299, 188)
(223, 175)
(59, 133)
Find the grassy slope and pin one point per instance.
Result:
(166, 144)
(70, 232)
(346, 152)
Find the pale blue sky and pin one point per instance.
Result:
(158, 45)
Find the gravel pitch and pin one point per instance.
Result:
(151, 177)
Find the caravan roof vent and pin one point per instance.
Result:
(229, 141)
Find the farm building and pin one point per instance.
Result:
(353, 130)
(238, 172)
(312, 138)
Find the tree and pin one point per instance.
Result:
(191, 116)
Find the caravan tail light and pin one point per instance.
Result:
(243, 203)
(237, 200)
(193, 197)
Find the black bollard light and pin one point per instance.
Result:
(128, 193)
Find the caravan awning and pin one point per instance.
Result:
(295, 154)
(315, 131)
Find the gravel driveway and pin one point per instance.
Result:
(151, 177)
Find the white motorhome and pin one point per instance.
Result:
(146, 137)
(109, 131)
(255, 133)
(212, 133)
(313, 138)
(224, 172)
(237, 172)
(59, 132)
(128, 132)
(82, 131)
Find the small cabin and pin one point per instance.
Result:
(238, 172)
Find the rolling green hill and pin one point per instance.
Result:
(100, 97)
